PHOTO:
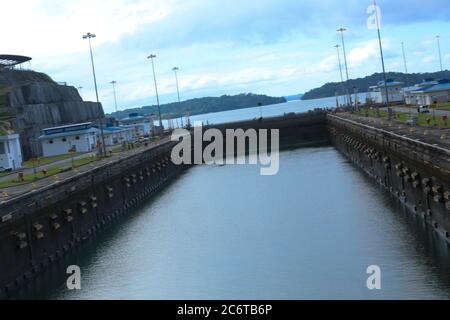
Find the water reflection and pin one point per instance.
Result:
(226, 232)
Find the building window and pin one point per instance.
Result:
(50, 141)
(64, 139)
(2, 148)
(77, 138)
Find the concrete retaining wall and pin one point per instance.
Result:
(416, 172)
(39, 228)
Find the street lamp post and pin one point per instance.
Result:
(89, 36)
(175, 71)
(382, 60)
(404, 58)
(114, 91)
(438, 38)
(342, 30)
(151, 57)
(340, 71)
(406, 77)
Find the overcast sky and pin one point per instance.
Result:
(275, 47)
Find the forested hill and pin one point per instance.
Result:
(203, 105)
(363, 84)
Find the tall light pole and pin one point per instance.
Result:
(341, 31)
(406, 77)
(438, 38)
(340, 71)
(114, 91)
(175, 71)
(89, 36)
(404, 58)
(151, 57)
(382, 59)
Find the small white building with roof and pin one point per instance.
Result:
(411, 93)
(377, 94)
(117, 135)
(10, 152)
(139, 125)
(74, 138)
(430, 92)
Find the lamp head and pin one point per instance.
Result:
(89, 35)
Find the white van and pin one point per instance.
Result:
(423, 109)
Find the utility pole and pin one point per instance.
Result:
(438, 38)
(404, 58)
(340, 71)
(382, 60)
(342, 30)
(151, 57)
(89, 36)
(175, 70)
(114, 91)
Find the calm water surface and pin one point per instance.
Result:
(266, 111)
(228, 233)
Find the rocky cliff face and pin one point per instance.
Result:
(36, 102)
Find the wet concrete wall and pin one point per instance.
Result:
(417, 173)
(41, 227)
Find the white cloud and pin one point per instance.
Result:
(367, 51)
(429, 58)
(330, 63)
(47, 27)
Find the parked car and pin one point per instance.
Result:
(423, 109)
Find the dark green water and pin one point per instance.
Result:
(228, 233)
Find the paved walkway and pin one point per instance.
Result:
(413, 111)
(11, 192)
(431, 135)
(27, 170)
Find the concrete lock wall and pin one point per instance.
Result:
(41, 227)
(415, 172)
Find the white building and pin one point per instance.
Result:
(10, 152)
(429, 94)
(141, 125)
(117, 135)
(411, 93)
(78, 138)
(377, 94)
(137, 130)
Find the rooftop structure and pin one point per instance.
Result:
(428, 92)
(10, 61)
(377, 94)
(67, 129)
(73, 138)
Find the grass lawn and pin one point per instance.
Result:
(30, 177)
(47, 160)
(403, 117)
(444, 106)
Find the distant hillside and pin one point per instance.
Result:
(294, 97)
(363, 84)
(203, 105)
